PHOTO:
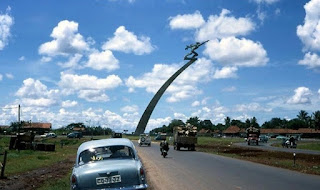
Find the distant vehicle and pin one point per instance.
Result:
(280, 137)
(253, 135)
(75, 135)
(185, 136)
(108, 164)
(263, 138)
(144, 140)
(48, 135)
(116, 135)
(161, 136)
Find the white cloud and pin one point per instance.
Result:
(34, 89)
(158, 122)
(73, 61)
(9, 76)
(130, 109)
(187, 21)
(309, 33)
(252, 107)
(45, 59)
(229, 89)
(34, 93)
(66, 40)
(128, 42)
(185, 86)
(195, 104)
(6, 22)
(103, 60)
(226, 72)
(232, 51)
(180, 116)
(88, 82)
(69, 103)
(302, 96)
(266, 1)
(319, 91)
(130, 1)
(93, 95)
(223, 25)
(311, 60)
(22, 58)
(1, 77)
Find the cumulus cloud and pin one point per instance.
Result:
(69, 103)
(103, 61)
(187, 21)
(88, 87)
(73, 61)
(232, 51)
(309, 33)
(93, 95)
(34, 93)
(185, 86)
(66, 40)
(1, 77)
(223, 25)
(88, 82)
(225, 72)
(302, 96)
(128, 42)
(6, 22)
(180, 116)
(130, 109)
(195, 104)
(311, 60)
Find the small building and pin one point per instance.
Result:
(205, 132)
(4, 128)
(232, 131)
(38, 128)
(302, 132)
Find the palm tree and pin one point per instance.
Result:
(316, 119)
(303, 115)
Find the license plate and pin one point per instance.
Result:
(108, 180)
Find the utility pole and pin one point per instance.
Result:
(19, 123)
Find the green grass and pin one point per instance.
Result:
(309, 146)
(218, 141)
(27, 160)
(60, 184)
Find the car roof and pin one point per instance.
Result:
(105, 142)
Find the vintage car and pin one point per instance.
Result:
(108, 164)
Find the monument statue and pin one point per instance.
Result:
(148, 111)
(193, 47)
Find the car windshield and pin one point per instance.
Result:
(105, 153)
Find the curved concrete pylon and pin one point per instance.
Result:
(148, 111)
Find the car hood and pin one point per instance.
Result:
(126, 168)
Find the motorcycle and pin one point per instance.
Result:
(164, 153)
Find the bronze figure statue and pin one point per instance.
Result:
(193, 47)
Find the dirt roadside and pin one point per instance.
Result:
(36, 178)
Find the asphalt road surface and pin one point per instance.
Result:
(267, 146)
(184, 170)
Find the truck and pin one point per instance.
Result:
(253, 134)
(185, 136)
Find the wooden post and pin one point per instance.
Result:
(3, 165)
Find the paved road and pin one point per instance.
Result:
(184, 170)
(267, 146)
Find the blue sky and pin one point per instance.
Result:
(101, 61)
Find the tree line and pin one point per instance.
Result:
(303, 120)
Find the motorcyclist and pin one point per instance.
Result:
(164, 145)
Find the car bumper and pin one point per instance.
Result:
(141, 186)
